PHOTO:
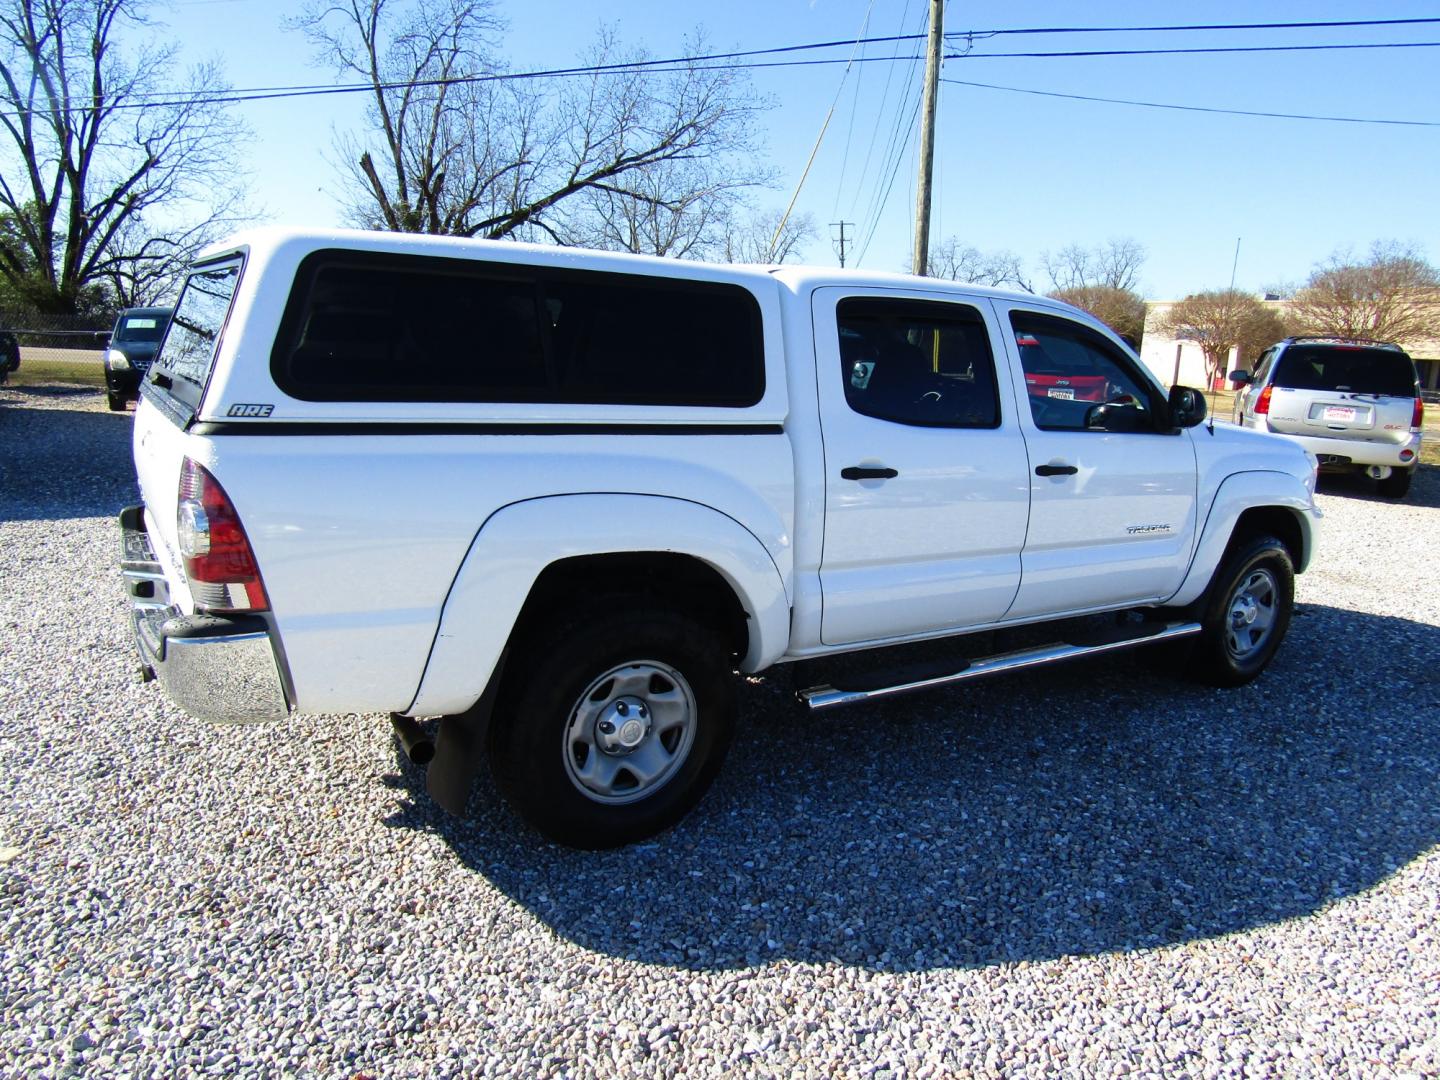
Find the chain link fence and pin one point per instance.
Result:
(62, 347)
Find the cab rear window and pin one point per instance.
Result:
(1347, 370)
(187, 354)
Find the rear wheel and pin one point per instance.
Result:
(116, 402)
(1396, 485)
(1246, 616)
(613, 725)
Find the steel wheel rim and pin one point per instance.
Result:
(1251, 614)
(629, 732)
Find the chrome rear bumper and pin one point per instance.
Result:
(216, 668)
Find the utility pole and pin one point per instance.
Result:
(841, 240)
(927, 138)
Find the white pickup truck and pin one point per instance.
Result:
(558, 498)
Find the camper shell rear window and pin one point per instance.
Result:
(187, 355)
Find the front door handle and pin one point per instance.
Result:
(856, 472)
(1055, 470)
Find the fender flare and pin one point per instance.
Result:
(1237, 493)
(518, 541)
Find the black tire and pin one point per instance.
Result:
(552, 711)
(117, 404)
(1396, 485)
(1254, 585)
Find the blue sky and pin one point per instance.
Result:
(1014, 171)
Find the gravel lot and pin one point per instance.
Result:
(1087, 870)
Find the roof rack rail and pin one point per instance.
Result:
(1338, 339)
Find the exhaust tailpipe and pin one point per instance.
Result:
(418, 746)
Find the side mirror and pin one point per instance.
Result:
(1187, 406)
(1240, 378)
(1117, 416)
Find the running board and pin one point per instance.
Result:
(819, 698)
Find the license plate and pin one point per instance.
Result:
(1339, 412)
(1064, 395)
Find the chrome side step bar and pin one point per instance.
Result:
(820, 698)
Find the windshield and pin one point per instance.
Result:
(141, 327)
(1350, 370)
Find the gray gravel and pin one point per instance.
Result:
(1088, 871)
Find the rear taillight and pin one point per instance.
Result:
(1417, 418)
(218, 559)
(1262, 403)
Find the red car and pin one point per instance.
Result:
(1046, 376)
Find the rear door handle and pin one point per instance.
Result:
(856, 472)
(1056, 470)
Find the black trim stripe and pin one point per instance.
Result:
(374, 427)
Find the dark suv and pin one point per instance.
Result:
(133, 345)
(1354, 404)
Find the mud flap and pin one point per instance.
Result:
(460, 749)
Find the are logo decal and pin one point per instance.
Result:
(250, 410)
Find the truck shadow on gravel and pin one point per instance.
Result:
(1424, 488)
(1081, 810)
(63, 462)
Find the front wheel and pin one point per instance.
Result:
(1246, 616)
(613, 724)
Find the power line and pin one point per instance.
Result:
(820, 138)
(896, 127)
(1177, 52)
(622, 67)
(675, 65)
(1196, 108)
(672, 65)
(850, 126)
(893, 155)
(879, 112)
(1192, 26)
(895, 171)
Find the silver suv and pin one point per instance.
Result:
(1354, 404)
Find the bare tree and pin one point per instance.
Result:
(101, 145)
(150, 264)
(961, 262)
(1393, 294)
(1120, 309)
(1221, 320)
(618, 155)
(1115, 264)
(681, 222)
(765, 236)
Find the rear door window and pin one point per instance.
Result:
(188, 354)
(917, 362)
(1355, 370)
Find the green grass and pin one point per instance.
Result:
(1430, 436)
(46, 372)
